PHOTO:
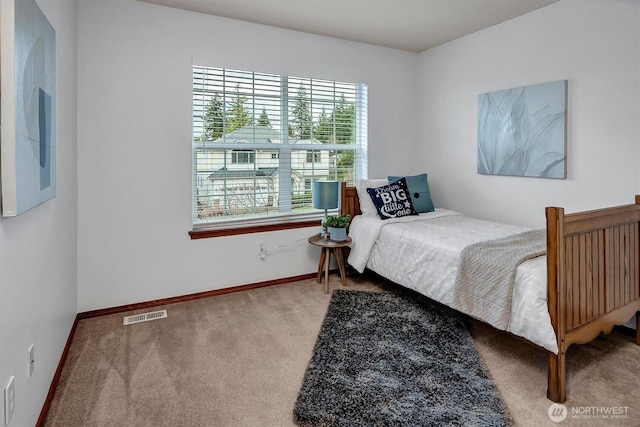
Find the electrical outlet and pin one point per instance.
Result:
(9, 400)
(31, 361)
(262, 247)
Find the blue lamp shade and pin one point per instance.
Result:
(325, 194)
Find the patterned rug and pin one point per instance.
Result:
(389, 359)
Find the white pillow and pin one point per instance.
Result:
(366, 204)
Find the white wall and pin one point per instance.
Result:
(38, 288)
(594, 44)
(134, 155)
(134, 160)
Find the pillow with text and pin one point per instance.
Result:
(393, 200)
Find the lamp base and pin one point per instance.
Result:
(324, 233)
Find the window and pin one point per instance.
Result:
(313, 157)
(242, 156)
(260, 141)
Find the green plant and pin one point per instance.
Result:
(337, 221)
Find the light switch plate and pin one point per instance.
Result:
(31, 360)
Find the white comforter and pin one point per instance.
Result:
(422, 253)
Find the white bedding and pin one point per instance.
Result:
(422, 253)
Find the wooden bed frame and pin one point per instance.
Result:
(593, 276)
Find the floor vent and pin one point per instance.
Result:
(144, 317)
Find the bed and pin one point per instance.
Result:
(587, 282)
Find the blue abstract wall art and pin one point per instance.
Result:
(522, 131)
(27, 109)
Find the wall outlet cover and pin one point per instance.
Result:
(9, 400)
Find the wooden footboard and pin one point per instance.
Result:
(593, 275)
(593, 272)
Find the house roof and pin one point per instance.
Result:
(258, 134)
(223, 173)
(251, 133)
(307, 141)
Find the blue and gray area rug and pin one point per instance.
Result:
(387, 359)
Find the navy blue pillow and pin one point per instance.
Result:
(419, 191)
(393, 200)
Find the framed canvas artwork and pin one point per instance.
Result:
(27, 107)
(522, 131)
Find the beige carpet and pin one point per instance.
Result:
(239, 359)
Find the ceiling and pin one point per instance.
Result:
(412, 25)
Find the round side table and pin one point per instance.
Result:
(329, 246)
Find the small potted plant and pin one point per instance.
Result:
(337, 227)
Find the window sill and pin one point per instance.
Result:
(249, 229)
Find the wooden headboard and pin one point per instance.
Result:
(349, 202)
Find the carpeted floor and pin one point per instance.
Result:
(396, 359)
(239, 360)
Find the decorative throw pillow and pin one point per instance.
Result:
(393, 200)
(419, 191)
(366, 205)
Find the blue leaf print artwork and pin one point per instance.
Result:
(522, 131)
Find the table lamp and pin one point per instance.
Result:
(325, 196)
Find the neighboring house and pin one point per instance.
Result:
(245, 180)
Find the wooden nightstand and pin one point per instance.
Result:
(329, 246)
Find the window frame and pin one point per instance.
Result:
(314, 156)
(238, 157)
(287, 220)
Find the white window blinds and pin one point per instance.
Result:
(260, 139)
